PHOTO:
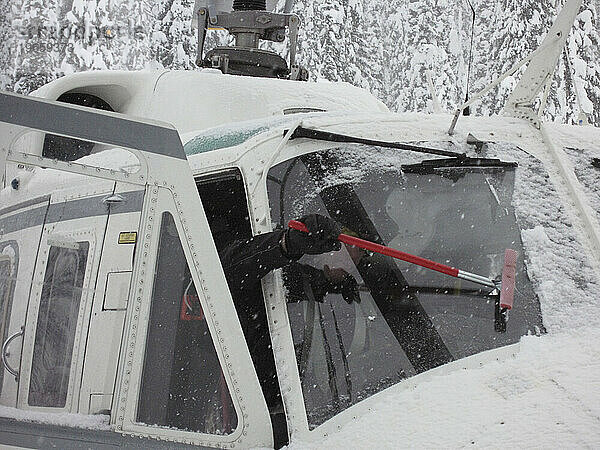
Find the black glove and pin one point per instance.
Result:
(341, 282)
(321, 237)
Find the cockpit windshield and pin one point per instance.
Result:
(409, 319)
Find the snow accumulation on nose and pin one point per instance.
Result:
(557, 262)
(544, 397)
(587, 170)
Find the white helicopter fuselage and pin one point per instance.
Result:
(110, 213)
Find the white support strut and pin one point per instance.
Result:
(520, 103)
(542, 64)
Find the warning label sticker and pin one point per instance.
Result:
(128, 237)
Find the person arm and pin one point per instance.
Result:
(245, 262)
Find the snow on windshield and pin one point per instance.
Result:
(410, 319)
(586, 165)
(557, 262)
(231, 135)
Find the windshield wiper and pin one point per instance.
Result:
(430, 165)
(453, 160)
(319, 135)
(404, 293)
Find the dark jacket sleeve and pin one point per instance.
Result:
(245, 262)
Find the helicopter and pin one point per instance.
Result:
(120, 191)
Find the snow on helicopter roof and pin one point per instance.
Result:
(203, 99)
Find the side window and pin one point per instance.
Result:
(56, 326)
(182, 384)
(5, 279)
(6, 282)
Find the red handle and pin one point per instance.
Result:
(507, 294)
(377, 248)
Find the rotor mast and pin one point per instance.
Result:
(249, 22)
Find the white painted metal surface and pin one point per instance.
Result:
(540, 70)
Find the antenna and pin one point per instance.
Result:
(467, 110)
(289, 4)
(542, 64)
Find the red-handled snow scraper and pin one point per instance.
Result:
(506, 287)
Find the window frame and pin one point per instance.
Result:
(226, 172)
(74, 317)
(10, 293)
(156, 328)
(222, 321)
(85, 235)
(270, 151)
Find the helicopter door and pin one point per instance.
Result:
(60, 300)
(20, 232)
(182, 392)
(110, 299)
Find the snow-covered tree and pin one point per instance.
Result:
(582, 70)
(7, 44)
(89, 33)
(367, 58)
(36, 49)
(394, 48)
(430, 33)
(328, 34)
(173, 39)
(131, 43)
(506, 33)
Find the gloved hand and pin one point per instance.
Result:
(321, 237)
(341, 282)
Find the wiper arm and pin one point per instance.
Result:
(432, 290)
(403, 293)
(319, 135)
(430, 165)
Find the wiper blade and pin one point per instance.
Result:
(319, 135)
(430, 165)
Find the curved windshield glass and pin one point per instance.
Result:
(409, 319)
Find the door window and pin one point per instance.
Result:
(6, 282)
(56, 325)
(182, 384)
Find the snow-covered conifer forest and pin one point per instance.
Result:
(395, 48)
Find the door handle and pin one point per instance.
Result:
(5, 354)
(114, 199)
